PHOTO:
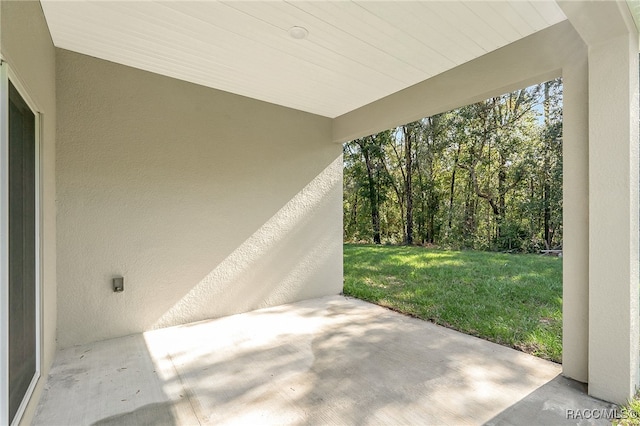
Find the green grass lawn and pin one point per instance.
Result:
(513, 300)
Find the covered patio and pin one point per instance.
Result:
(331, 360)
(192, 151)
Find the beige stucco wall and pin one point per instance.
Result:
(208, 203)
(27, 47)
(575, 159)
(613, 196)
(613, 212)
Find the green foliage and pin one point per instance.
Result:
(630, 413)
(513, 300)
(485, 176)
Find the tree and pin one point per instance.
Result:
(484, 176)
(409, 134)
(372, 177)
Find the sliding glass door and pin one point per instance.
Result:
(22, 282)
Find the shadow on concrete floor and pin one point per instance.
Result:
(332, 360)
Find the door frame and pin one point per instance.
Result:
(7, 74)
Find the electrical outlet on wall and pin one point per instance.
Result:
(118, 284)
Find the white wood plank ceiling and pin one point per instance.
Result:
(356, 51)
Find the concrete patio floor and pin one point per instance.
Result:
(332, 360)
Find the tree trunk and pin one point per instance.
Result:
(470, 222)
(354, 213)
(373, 198)
(422, 202)
(397, 191)
(546, 185)
(502, 179)
(453, 184)
(547, 215)
(408, 185)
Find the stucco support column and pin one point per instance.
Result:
(575, 279)
(612, 41)
(613, 211)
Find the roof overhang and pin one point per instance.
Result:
(354, 54)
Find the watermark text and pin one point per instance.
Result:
(598, 413)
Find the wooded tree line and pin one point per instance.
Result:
(486, 176)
